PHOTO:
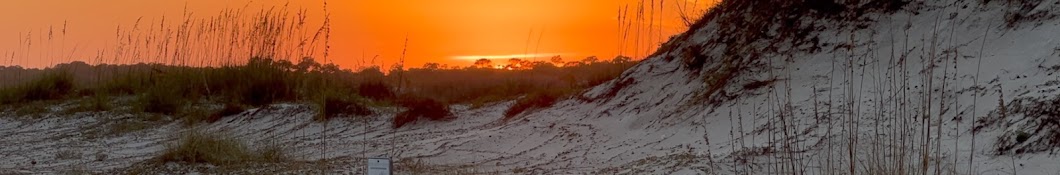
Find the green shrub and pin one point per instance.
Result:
(334, 106)
(50, 86)
(229, 109)
(271, 153)
(532, 101)
(418, 108)
(403, 118)
(34, 109)
(375, 90)
(160, 100)
(479, 86)
(260, 82)
(197, 147)
(130, 82)
(265, 91)
(195, 115)
(92, 103)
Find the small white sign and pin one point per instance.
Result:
(379, 166)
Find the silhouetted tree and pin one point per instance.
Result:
(621, 59)
(574, 64)
(515, 63)
(432, 66)
(483, 63)
(539, 65)
(306, 64)
(396, 69)
(557, 60)
(372, 73)
(330, 69)
(590, 60)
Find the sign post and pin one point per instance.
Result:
(379, 166)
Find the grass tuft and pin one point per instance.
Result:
(336, 106)
(50, 86)
(375, 90)
(92, 103)
(194, 115)
(229, 109)
(160, 100)
(421, 108)
(532, 101)
(197, 147)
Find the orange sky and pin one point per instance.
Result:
(441, 31)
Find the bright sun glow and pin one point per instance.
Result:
(520, 56)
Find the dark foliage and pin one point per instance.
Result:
(160, 100)
(421, 108)
(229, 109)
(49, 86)
(265, 81)
(375, 90)
(530, 102)
(92, 103)
(197, 147)
(694, 57)
(335, 106)
(477, 85)
(617, 86)
(426, 92)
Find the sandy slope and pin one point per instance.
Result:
(653, 120)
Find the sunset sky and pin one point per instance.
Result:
(440, 31)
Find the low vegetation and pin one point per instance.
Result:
(228, 110)
(209, 113)
(54, 85)
(337, 106)
(182, 91)
(93, 103)
(217, 149)
(487, 82)
(533, 101)
(420, 167)
(418, 108)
